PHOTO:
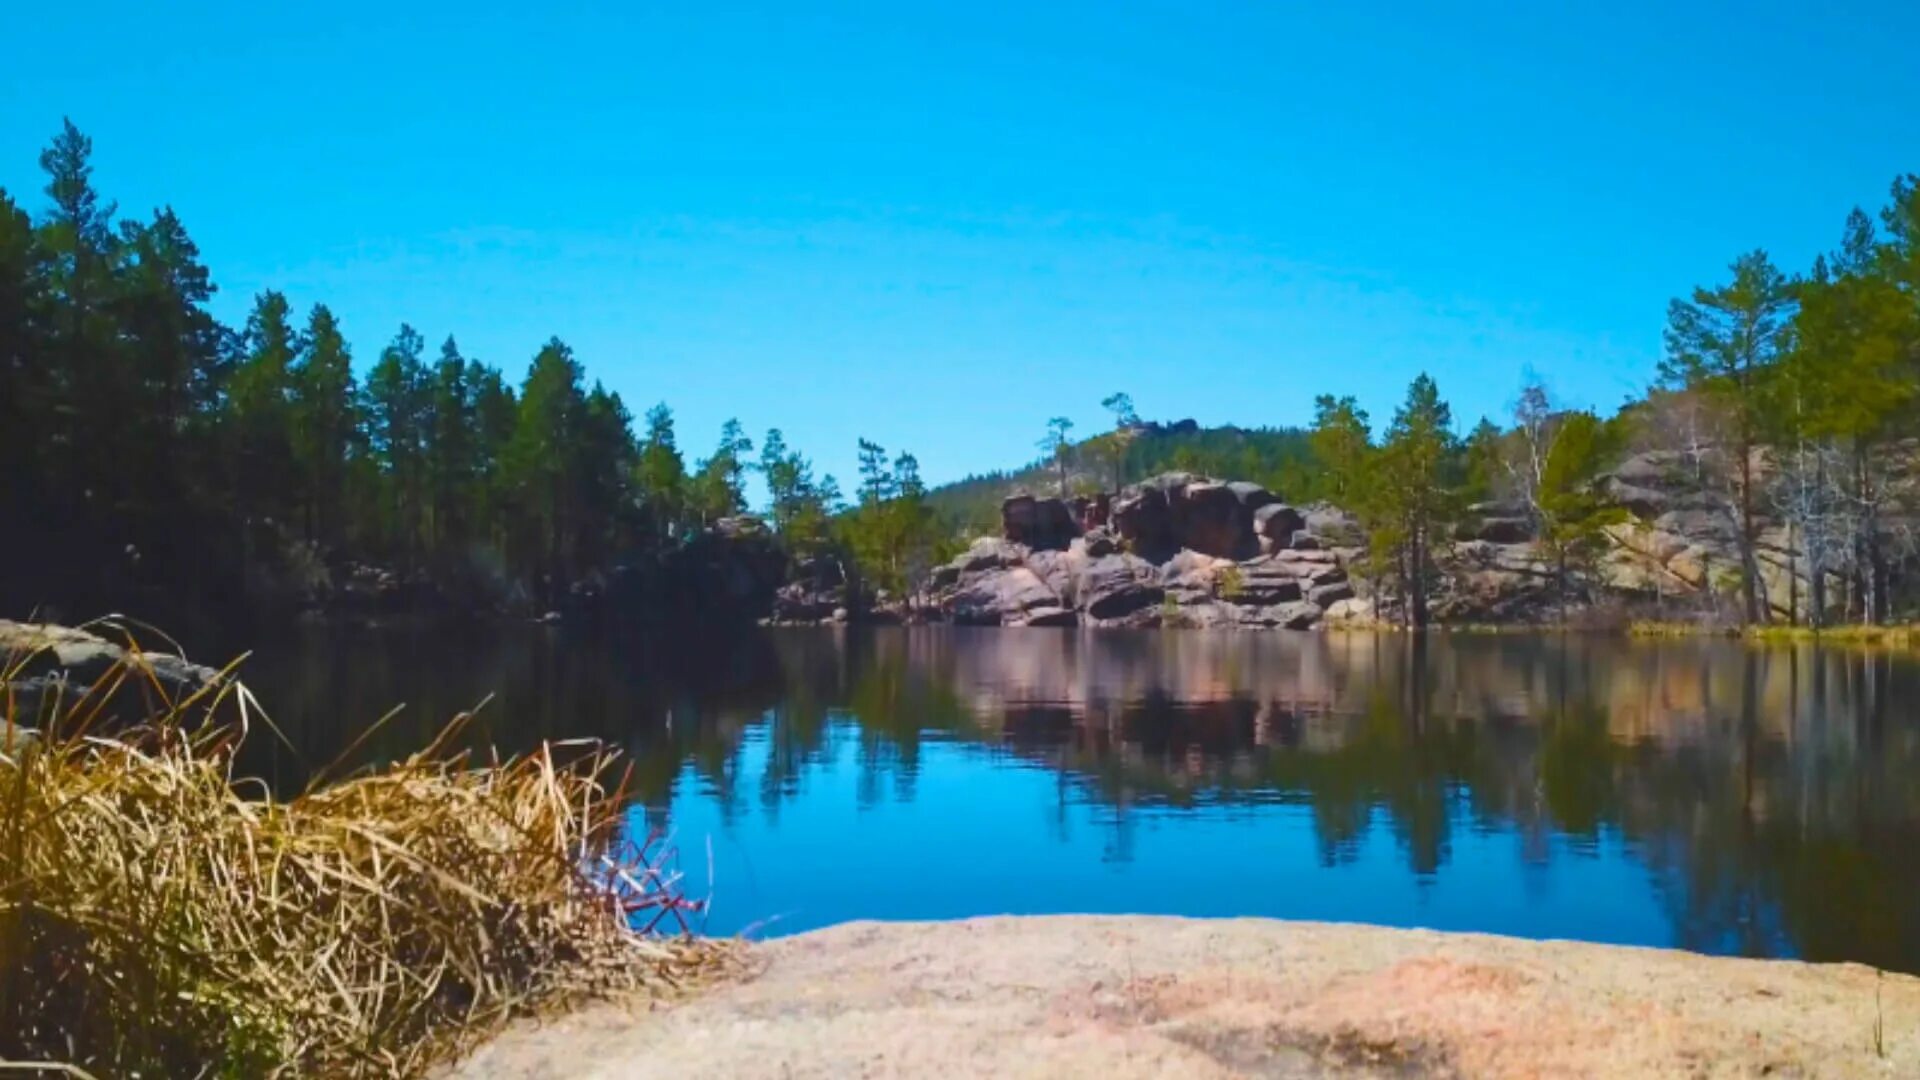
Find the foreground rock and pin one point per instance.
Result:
(1114, 998)
(46, 667)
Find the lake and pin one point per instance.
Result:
(1704, 794)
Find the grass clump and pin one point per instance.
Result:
(1892, 637)
(1650, 628)
(1896, 636)
(158, 918)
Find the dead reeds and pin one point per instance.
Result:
(158, 918)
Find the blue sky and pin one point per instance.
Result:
(936, 227)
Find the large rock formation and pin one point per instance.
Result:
(1183, 549)
(1038, 523)
(1188, 550)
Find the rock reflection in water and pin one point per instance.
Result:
(1748, 800)
(1770, 794)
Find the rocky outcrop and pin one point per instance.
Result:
(49, 668)
(1182, 550)
(1275, 525)
(817, 593)
(1038, 523)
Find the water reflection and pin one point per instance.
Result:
(1703, 794)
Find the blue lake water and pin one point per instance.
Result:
(1701, 794)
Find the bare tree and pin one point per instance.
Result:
(1532, 416)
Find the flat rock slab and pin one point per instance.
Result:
(1121, 997)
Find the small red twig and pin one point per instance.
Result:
(644, 881)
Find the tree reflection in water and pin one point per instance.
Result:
(1771, 794)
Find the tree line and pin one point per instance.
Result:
(1792, 398)
(140, 434)
(1783, 398)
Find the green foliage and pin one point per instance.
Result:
(1725, 345)
(717, 488)
(1112, 449)
(800, 508)
(1414, 491)
(662, 473)
(152, 440)
(146, 438)
(324, 413)
(893, 533)
(1574, 516)
(1057, 446)
(1276, 457)
(396, 402)
(1484, 456)
(568, 471)
(259, 405)
(1342, 446)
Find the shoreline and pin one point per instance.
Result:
(1116, 997)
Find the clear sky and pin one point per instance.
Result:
(937, 226)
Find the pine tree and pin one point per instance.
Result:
(800, 508)
(1724, 344)
(452, 464)
(325, 425)
(537, 461)
(1057, 445)
(1484, 462)
(496, 413)
(259, 397)
(1415, 492)
(23, 377)
(718, 487)
(1115, 446)
(88, 399)
(876, 482)
(1572, 516)
(1342, 446)
(600, 460)
(663, 473)
(396, 406)
(178, 354)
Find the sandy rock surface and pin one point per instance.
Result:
(1113, 998)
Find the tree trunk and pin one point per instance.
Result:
(1816, 564)
(1869, 559)
(1749, 564)
(1418, 578)
(1563, 586)
(1816, 594)
(1793, 581)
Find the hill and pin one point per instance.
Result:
(1279, 458)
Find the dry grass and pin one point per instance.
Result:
(159, 919)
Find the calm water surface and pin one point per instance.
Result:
(1701, 794)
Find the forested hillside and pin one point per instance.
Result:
(1279, 458)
